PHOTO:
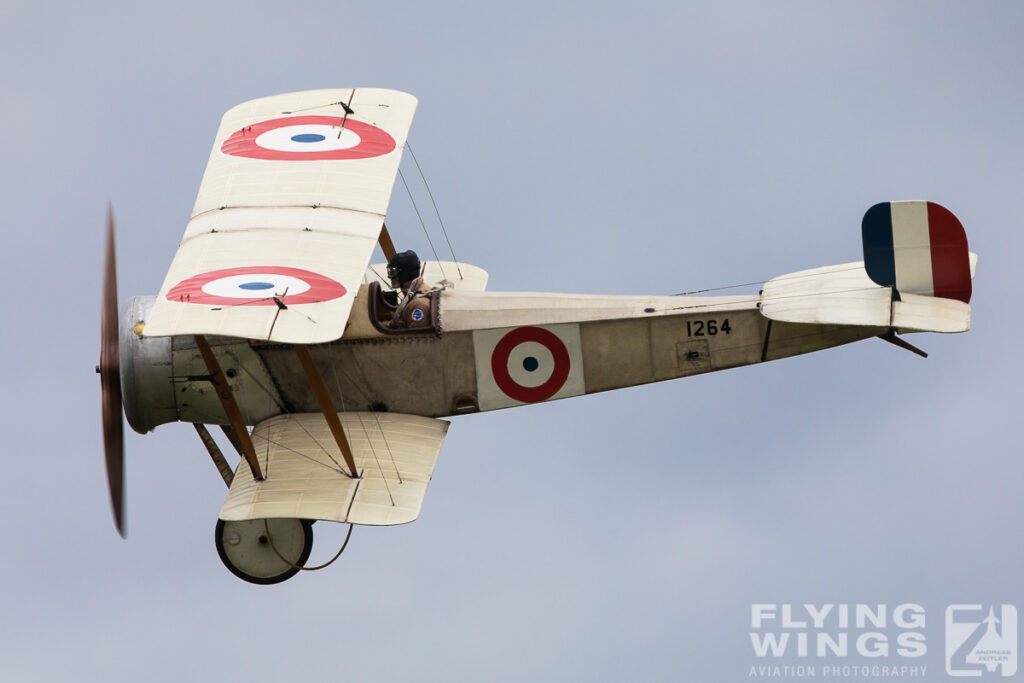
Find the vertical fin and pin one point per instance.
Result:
(917, 248)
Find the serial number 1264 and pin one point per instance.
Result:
(702, 328)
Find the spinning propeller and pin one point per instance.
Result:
(110, 382)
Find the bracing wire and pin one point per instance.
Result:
(379, 276)
(436, 211)
(366, 433)
(380, 468)
(366, 397)
(285, 447)
(388, 446)
(793, 276)
(422, 224)
(317, 442)
(777, 297)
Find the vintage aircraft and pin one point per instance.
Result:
(270, 319)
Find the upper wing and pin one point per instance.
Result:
(394, 453)
(287, 217)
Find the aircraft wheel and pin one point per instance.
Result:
(245, 548)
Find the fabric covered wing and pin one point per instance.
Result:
(287, 216)
(306, 478)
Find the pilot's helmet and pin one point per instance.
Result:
(404, 266)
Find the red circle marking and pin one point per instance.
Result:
(373, 142)
(321, 287)
(559, 373)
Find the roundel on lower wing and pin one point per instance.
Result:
(530, 364)
(309, 138)
(256, 286)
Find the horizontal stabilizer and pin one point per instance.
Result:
(845, 295)
(306, 478)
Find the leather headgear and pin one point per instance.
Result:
(404, 266)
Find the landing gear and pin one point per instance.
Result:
(264, 551)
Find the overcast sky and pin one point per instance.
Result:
(575, 147)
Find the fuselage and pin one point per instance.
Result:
(490, 350)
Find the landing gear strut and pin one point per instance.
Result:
(264, 551)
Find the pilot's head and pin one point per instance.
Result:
(403, 268)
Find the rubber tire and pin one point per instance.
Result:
(307, 527)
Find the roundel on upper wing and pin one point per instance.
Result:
(530, 364)
(309, 138)
(256, 286)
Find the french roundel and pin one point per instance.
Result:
(309, 138)
(530, 364)
(256, 286)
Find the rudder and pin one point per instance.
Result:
(918, 248)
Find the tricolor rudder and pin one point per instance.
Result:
(918, 248)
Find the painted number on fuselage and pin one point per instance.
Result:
(707, 328)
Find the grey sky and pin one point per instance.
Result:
(580, 147)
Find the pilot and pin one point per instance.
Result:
(414, 309)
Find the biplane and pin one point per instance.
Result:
(273, 325)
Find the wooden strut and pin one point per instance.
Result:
(236, 443)
(386, 245)
(767, 338)
(215, 453)
(891, 337)
(316, 383)
(227, 399)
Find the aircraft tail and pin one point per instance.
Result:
(915, 277)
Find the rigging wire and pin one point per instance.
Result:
(384, 436)
(436, 211)
(791, 276)
(369, 441)
(376, 459)
(301, 454)
(376, 414)
(320, 445)
(422, 224)
(778, 297)
(379, 276)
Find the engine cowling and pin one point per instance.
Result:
(146, 369)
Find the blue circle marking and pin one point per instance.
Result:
(256, 285)
(308, 137)
(530, 364)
